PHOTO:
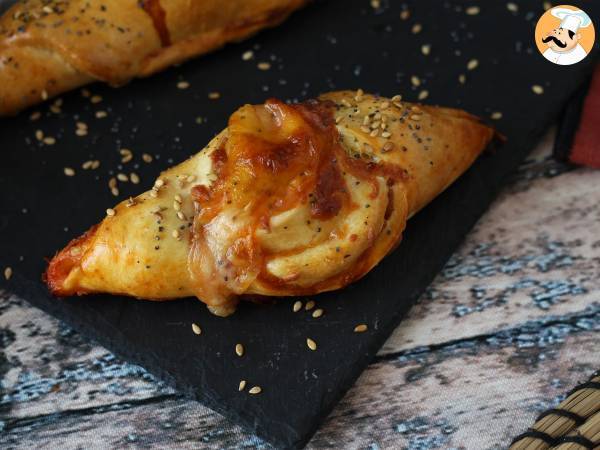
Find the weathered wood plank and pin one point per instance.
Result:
(409, 400)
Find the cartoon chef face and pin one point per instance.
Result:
(561, 40)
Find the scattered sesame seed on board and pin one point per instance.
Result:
(512, 7)
(423, 94)
(472, 64)
(375, 4)
(81, 132)
(537, 89)
(297, 306)
(462, 78)
(416, 28)
(181, 216)
(263, 65)
(317, 313)
(404, 15)
(242, 385)
(183, 85)
(360, 328)
(49, 140)
(95, 99)
(247, 55)
(87, 165)
(114, 191)
(134, 177)
(426, 49)
(159, 183)
(44, 95)
(110, 212)
(8, 273)
(311, 344)
(35, 116)
(239, 349)
(214, 95)
(255, 390)
(122, 177)
(147, 158)
(415, 81)
(127, 155)
(69, 171)
(176, 234)
(39, 135)
(101, 114)
(196, 328)
(472, 10)
(496, 115)
(309, 305)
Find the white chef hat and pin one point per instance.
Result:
(571, 19)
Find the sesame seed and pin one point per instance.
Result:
(311, 344)
(134, 177)
(183, 85)
(69, 171)
(39, 135)
(309, 305)
(153, 193)
(537, 89)
(178, 198)
(112, 182)
(375, 4)
(462, 79)
(472, 64)
(297, 306)
(416, 29)
(263, 65)
(44, 95)
(365, 129)
(196, 328)
(386, 134)
(255, 390)
(512, 7)
(8, 273)
(426, 49)
(159, 183)
(130, 202)
(81, 132)
(95, 164)
(423, 95)
(87, 165)
(82, 125)
(415, 81)
(176, 206)
(101, 114)
(242, 385)
(49, 140)
(55, 109)
(95, 99)
(317, 313)
(122, 177)
(239, 349)
(496, 115)
(176, 234)
(114, 191)
(338, 119)
(147, 158)
(247, 55)
(375, 124)
(374, 133)
(214, 95)
(35, 116)
(180, 216)
(85, 93)
(404, 15)
(127, 155)
(110, 212)
(472, 10)
(360, 328)
(388, 146)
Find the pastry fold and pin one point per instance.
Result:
(289, 199)
(48, 47)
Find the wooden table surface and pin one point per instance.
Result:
(508, 327)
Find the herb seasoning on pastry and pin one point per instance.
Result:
(48, 47)
(290, 199)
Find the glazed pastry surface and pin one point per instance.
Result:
(287, 200)
(48, 47)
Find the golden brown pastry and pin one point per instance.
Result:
(51, 46)
(287, 200)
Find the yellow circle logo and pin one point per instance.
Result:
(565, 35)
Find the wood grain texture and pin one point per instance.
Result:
(505, 330)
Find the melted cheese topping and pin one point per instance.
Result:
(286, 194)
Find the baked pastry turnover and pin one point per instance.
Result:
(289, 199)
(48, 47)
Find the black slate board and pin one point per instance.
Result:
(329, 45)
